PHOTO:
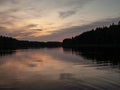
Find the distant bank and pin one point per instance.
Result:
(99, 37)
(11, 43)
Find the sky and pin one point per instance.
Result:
(55, 20)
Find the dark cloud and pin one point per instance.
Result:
(31, 26)
(65, 14)
(37, 30)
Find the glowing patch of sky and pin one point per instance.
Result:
(54, 19)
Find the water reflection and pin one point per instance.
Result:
(58, 69)
(6, 52)
(102, 56)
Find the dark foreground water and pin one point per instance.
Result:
(59, 69)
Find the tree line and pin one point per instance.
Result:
(12, 43)
(107, 36)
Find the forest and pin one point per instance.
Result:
(107, 36)
(12, 43)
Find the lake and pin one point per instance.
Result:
(59, 69)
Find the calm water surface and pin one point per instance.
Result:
(59, 69)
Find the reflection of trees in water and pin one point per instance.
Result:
(6, 52)
(103, 56)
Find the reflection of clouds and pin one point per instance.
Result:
(19, 58)
(102, 58)
(58, 72)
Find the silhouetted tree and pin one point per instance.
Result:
(119, 23)
(11, 43)
(101, 36)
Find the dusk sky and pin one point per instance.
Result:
(51, 20)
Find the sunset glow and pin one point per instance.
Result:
(45, 20)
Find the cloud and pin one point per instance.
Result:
(24, 34)
(65, 3)
(15, 13)
(8, 18)
(65, 14)
(8, 2)
(20, 33)
(4, 1)
(75, 30)
(45, 5)
(20, 10)
(56, 35)
(31, 26)
(3, 30)
(37, 30)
